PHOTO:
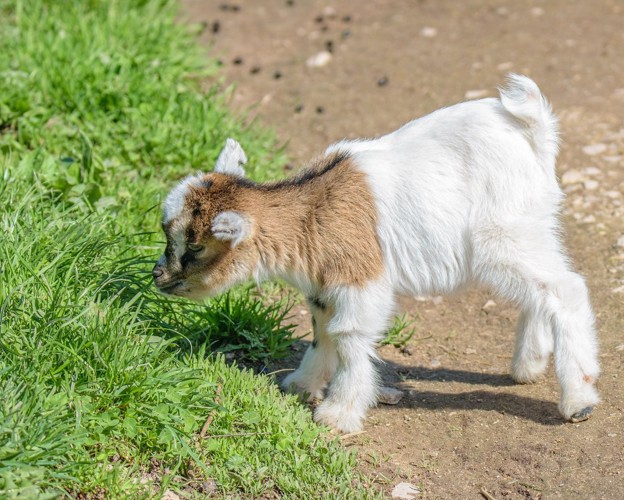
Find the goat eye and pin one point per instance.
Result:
(195, 248)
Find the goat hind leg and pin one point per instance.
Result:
(534, 344)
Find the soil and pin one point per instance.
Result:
(463, 429)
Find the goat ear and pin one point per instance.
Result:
(231, 159)
(231, 226)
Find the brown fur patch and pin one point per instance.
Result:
(588, 379)
(321, 223)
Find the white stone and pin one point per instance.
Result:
(170, 495)
(488, 306)
(389, 395)
(428, 32)
(592, 171)
(319, 60)
(435, 363)
(505, 66)
(620, 242)
(590, 185)
(613, 158)
(537, 11)
(405, 491)
(595, 149)
(572, 177)
(590, 219)
(329, 12)
(619, 289)
(476, 94)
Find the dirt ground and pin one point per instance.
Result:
(463, 427)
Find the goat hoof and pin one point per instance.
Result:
(582, 415)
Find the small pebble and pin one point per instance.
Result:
(255, 70)
(590, 185)
(383, 81)
(320, 110)
(435, 363)
(592, 171)
(229, 7)
(405, 491)
(238, 61)
(290, 3)
(488, 306)
(428, 32)
(329, 12)
(389, 395)
(470, 350)
(408, 350)
(476, 94)
(620, 242)
(344, 34)
(298, 108)
(209, 487)
(537, 11)
(216, 27)
(589, 219)
(346, 19)
(329, 46)
(595, 149)
(277, 75)
(572, 177)
(318, 60)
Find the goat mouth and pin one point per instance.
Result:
(169, 289)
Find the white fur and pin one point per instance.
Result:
(231, 226)
(174, 203)
(467, 195)
(231, 159)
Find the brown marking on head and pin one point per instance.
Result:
(321, 224)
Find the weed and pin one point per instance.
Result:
(400, 333)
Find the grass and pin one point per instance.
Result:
(105, 385)
(400, 333)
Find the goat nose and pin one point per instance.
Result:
(157, 272)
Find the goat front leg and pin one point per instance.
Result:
(361, 316)
(354, 387)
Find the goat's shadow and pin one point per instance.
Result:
(504, 403)
(539, 411)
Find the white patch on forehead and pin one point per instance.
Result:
(174, 203)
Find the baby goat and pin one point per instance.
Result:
(466, 195)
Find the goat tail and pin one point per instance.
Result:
(523, 99)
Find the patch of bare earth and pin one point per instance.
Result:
(464, 429)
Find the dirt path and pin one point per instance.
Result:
(463, 425)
